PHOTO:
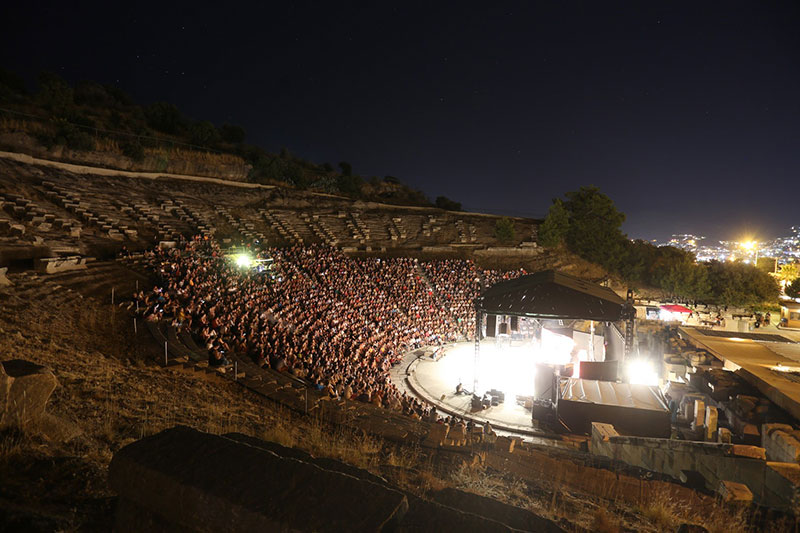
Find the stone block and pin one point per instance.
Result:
(3, 278)
(724, 435)
(52, 265)
(437, 434)
(197, 481)
(732, 492)
(699, 415)
(744, 450)
(750, 435)
(25, 388)
(711, 424)
(781, 445)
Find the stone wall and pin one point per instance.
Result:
(782, 442)
(772, 484)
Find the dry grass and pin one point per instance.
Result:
(603, 522)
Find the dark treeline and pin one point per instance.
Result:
(77, 115)
(588, 224)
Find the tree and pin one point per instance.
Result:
(443, 202)
(164, 117)
(793, 289)
(686, 279)
(789, 272)
(203, 134)
(232, 134)
(347, 168)
(555, 226)
(740, 284)
(504, 230)
(349, 185)
(55, 94)
(12, 81)
(595, 224)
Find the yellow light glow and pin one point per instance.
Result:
(748, 245)
(243, 261)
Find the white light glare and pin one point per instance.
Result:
(243, 260)
(641, 372)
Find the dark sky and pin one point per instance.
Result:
(687, 115)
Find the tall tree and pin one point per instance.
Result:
(555, 226)
(595, 227)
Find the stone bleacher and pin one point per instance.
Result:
(86, 209)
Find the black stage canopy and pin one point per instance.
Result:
(551, 294)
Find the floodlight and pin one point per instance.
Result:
(641, 372)
(243, 260)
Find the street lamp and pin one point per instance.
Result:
(749, 246)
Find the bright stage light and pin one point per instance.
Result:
(641, 372)
(243, 260)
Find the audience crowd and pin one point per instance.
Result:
(335, 322)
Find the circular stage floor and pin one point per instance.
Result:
(436, 381)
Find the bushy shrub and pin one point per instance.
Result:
(349, 185)
(164, 117)
(443, 202)
(504, 230)
(133, 149)
(204, 134)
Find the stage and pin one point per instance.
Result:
(436, 381)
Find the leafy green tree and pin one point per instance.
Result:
(595, 224)
(740, 284)
(204, 133)
(686, 279)
(789, 272)
(164, 117)
(347, 168)
(555, 226)
(505, 230)
(639, 260)
(443, 202)
(793, 289)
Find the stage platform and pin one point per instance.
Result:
(436, 381)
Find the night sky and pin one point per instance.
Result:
(687, 115)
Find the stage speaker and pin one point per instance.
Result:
(514, 323)
(503, 328)
(491, 325)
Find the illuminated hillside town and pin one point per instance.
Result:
(785, 249)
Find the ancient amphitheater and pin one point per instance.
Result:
(234, 437)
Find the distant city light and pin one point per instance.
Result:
(782, 250)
